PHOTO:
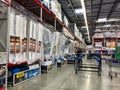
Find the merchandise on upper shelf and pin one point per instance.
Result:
(98, 30)
(118, 44)
(77, 33)
(110, 44)
(55, 7)
(67, 33)
(65, 20)
(3, 57)
(98, 35)
(98, 44)
(113, 34)
(97, 48)
(109, 34)
(118, 34)
(46, 3)
(108, 50)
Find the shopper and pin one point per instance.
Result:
(79, 55)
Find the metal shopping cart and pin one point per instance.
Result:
(78, 65)
(114, 66)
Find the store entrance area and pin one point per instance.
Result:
(65, 79)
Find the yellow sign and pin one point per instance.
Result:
(49, 66)
(19, 75)
(62, 62)
(0, 54)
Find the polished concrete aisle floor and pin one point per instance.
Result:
(65, 79)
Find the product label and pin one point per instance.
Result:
(34, 47)
(24, 46)
(11, 58)
(31, 46)
(24, 55)
(17, 46)
(17, 57)
(11, 46)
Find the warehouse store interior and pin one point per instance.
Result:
(59, 44)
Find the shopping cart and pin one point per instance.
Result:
(114, 66)
(78, 65)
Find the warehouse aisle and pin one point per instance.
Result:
(65, 79)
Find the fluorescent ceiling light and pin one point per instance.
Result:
(105, 20)
(102, 19)
(85, 16)
(97, 30)
(108, 25)
(79, 11)
(83, 27)
(85, 33)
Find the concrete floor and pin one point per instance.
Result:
(65, 79)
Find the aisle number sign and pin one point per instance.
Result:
(19, 75)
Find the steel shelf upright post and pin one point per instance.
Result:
(4, 42)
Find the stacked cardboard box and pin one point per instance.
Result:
(66, 21)
(55, 7)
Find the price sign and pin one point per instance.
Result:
(19, 75)
(0, 54)
(49, 67)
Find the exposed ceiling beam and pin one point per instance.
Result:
(113, 8)
(90, 14)
(74, 11)
(101, 1)
(67, 16)
(98, 14)
(103, 4)
(104, 12)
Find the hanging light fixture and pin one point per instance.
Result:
(85, 17)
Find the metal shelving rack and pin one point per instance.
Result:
(35, 10)
(104, 40)
(4, 43)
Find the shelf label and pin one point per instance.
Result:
(49, 67)
(24, 75)
(19, 75)
(0, 54)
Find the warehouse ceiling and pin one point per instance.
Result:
(69, 7)
(101, 15)
(105, 15)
